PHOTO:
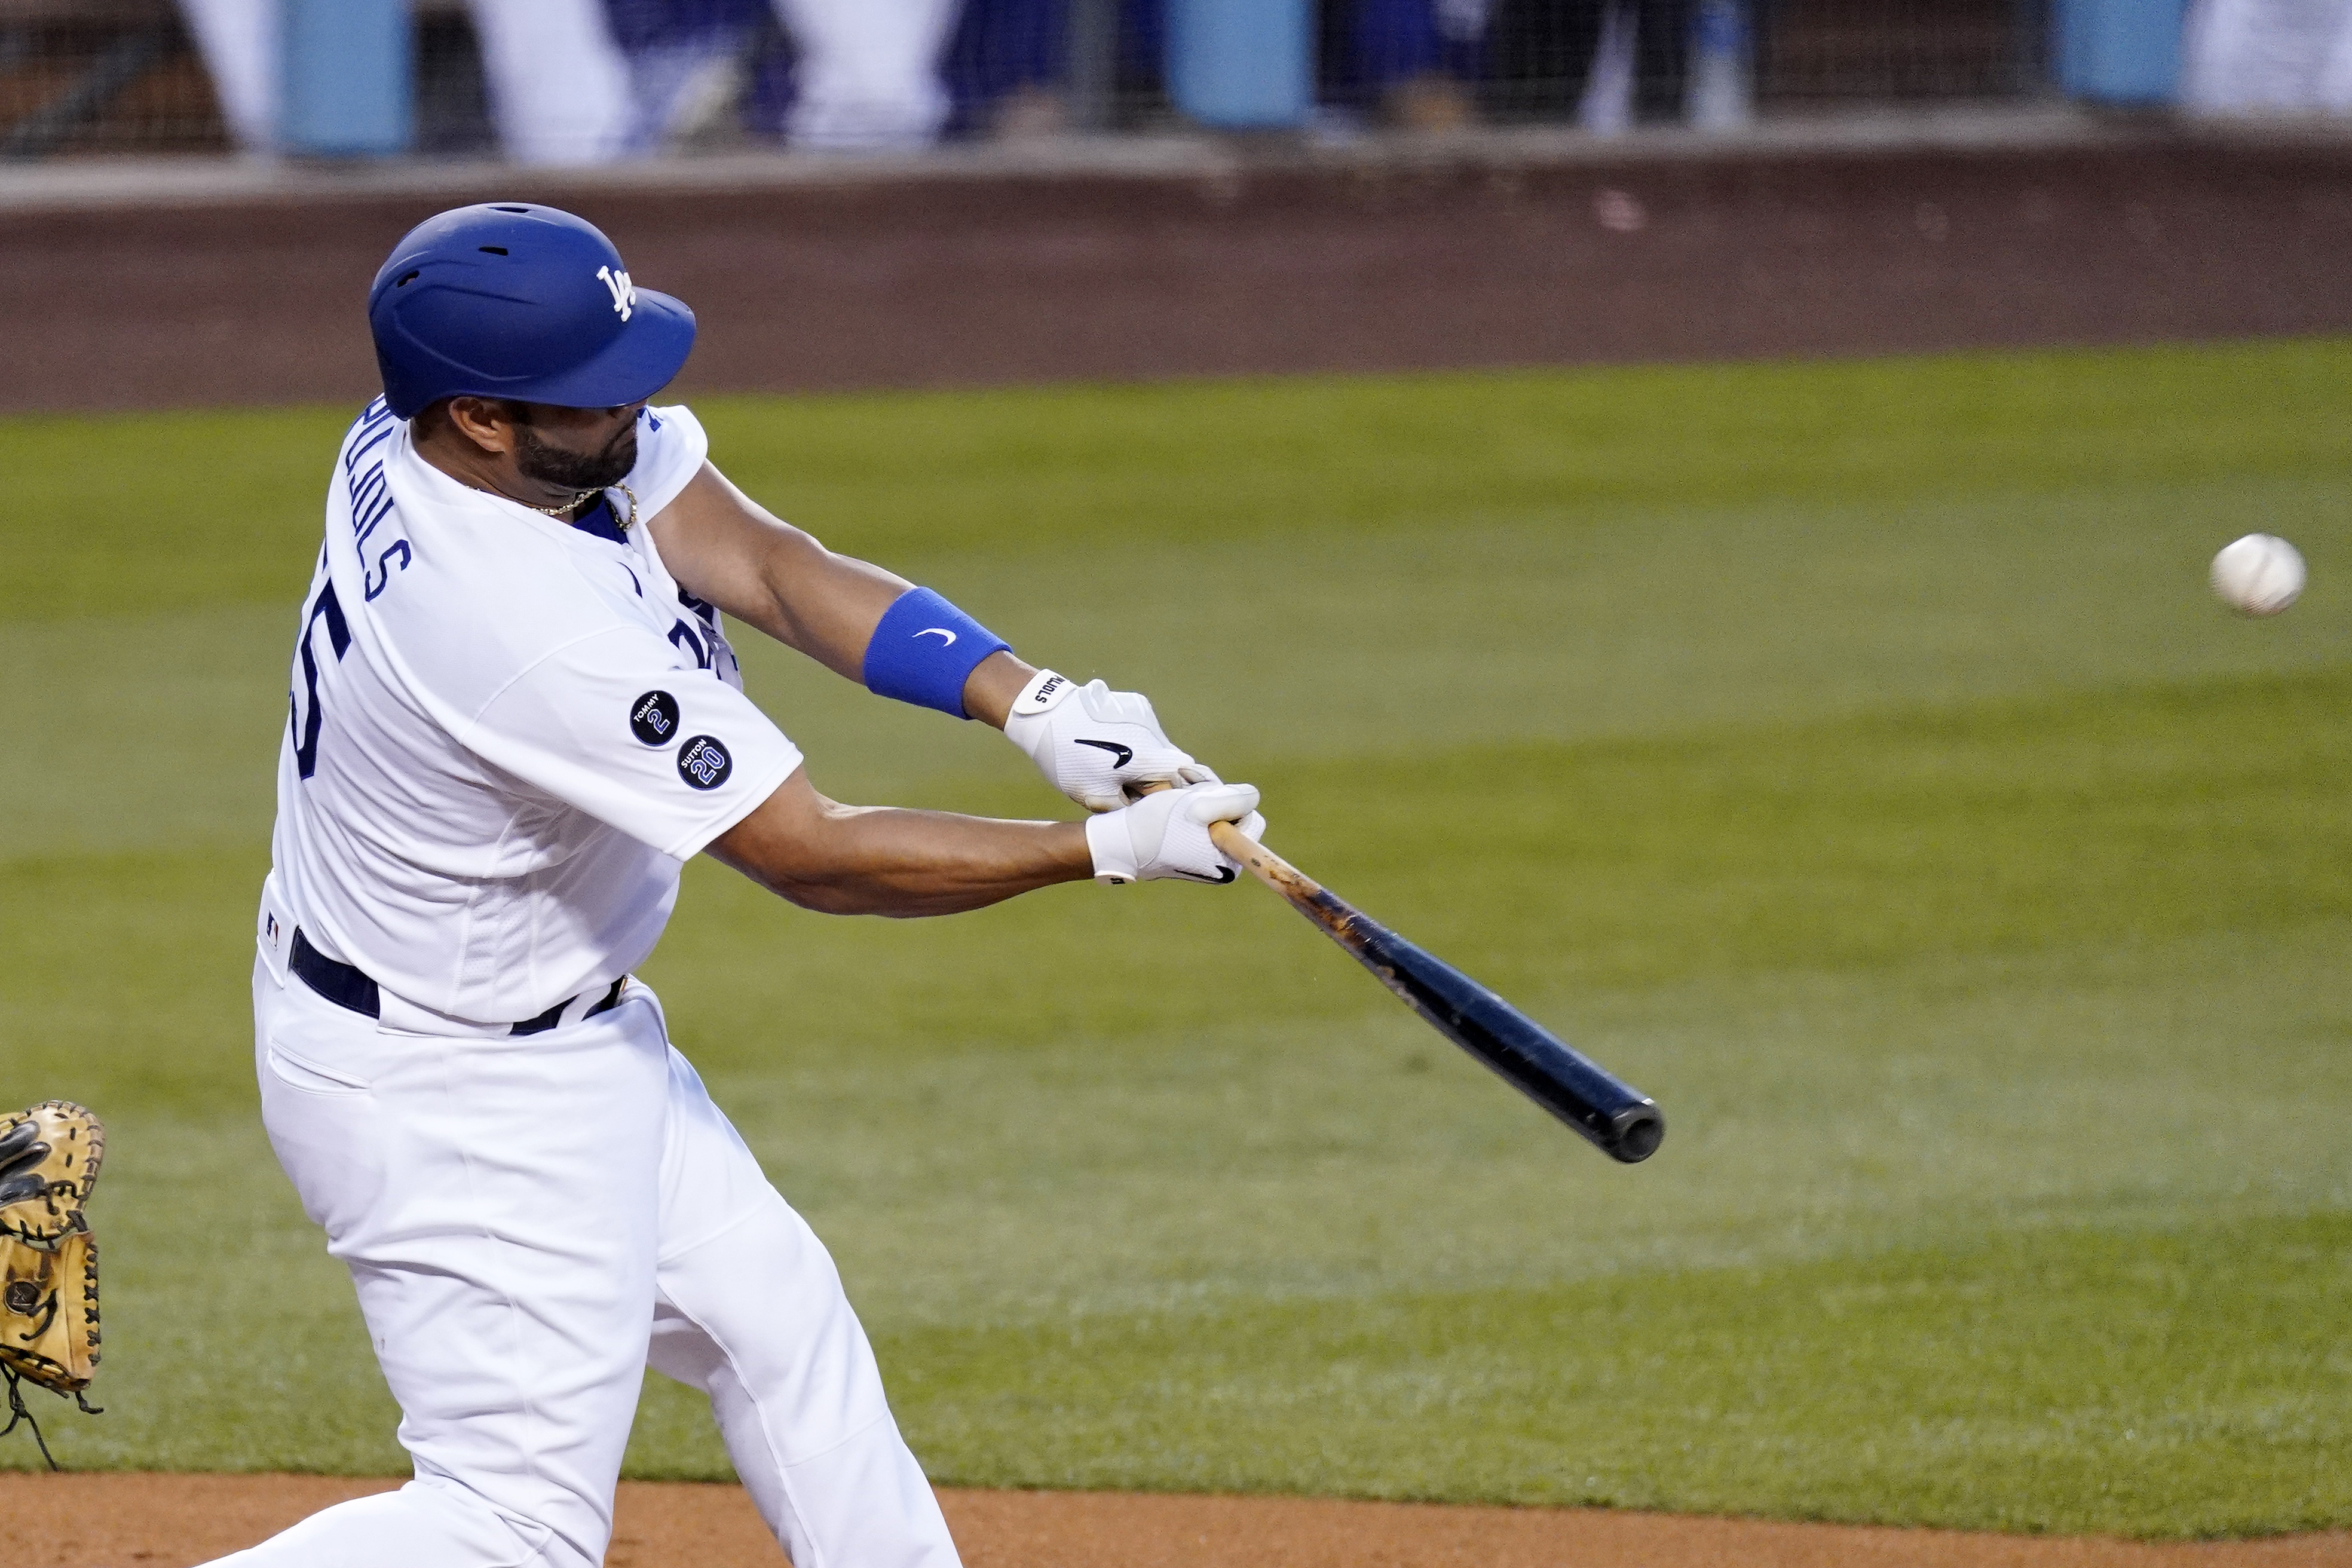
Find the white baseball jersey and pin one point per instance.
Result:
(507, 734)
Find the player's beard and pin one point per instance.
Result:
(576, 470)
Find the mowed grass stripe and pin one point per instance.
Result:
(2131, 814)
(2011, 827)
(1413, 637)
(130, 515)
(2174, 1383)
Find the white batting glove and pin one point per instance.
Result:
(1166, 834)
(1095, 744)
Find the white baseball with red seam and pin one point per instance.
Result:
(1094, 744)
(2260, 575)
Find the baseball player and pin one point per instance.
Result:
(514, 715)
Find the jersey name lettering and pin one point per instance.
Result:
(371, 497)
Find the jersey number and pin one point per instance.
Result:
(302, 707)
(683, 638)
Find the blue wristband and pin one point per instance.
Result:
(923, 651)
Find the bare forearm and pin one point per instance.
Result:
(828, 609)
(826, 605)
(884, 861)
(725, 547)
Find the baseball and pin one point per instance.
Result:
(2260, 575)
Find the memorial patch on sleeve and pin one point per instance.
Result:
(653, 719)
(703, 763)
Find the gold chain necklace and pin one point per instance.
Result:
(558, 512)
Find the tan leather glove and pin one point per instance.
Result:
(48, 1260)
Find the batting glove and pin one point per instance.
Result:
(1094, 744)
(1166, 834)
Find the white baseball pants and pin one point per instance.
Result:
(868, 75)
(530, 1221)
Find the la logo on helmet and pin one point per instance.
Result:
(624, 293)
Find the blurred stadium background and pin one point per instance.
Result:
(131, 76)
(1830, 727)
(885, 192)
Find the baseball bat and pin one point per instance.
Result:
(1619, 1119)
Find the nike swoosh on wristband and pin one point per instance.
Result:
(1124, 753)
(938, 632)
(1225, 874)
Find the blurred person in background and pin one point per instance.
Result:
(1007, 68)
(1419, 63)
(559, 86)
(1547, 54)
(1427, 64)
(688, 64)
(563, 89)
(2268, 57)
(867, 75)
(1007, 63)
(238, 41)
(864, 74)
(558, 82)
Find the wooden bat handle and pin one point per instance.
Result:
(1309, 897)
(1305, 893)
(1264, 864)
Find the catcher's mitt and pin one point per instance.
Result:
(48, 1260)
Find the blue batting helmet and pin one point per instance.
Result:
(513, 300)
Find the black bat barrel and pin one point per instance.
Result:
(1624, 1122)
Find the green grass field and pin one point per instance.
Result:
(1850, 754)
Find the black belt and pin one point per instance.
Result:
(351, 988)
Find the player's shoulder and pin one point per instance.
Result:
(484, 573)
(485, 593)
(670, 422)
(671, 448)
(467, 630)
(669, 428)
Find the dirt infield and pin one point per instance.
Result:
(916, 281)
(168, 1521)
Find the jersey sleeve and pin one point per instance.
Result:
(671, 447)
(622, 726)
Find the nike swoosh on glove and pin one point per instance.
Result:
(1166, 834)
(1095, 744)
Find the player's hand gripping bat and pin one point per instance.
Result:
(1622, 1121)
